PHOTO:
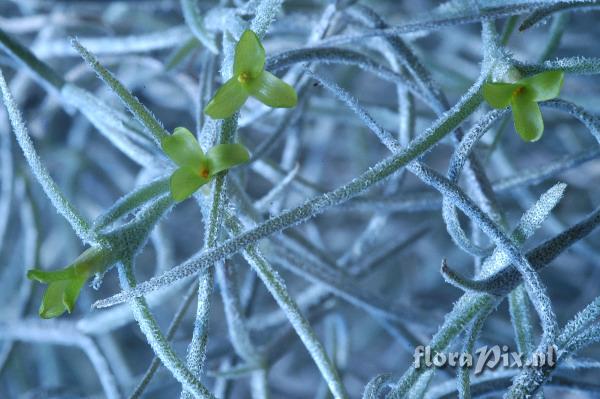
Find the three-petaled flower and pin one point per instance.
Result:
(64, 285)
(523, 96)
(250, 79)
(196, 168)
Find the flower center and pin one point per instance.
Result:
(518, 90)
(204, 172)
(244, 77)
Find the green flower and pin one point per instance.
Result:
(195, 168)
(64, 285)
(523, 97)
(250, 79)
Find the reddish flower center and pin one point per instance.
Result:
(518, 90)
(204, 172)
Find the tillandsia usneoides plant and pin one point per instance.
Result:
(252, 199)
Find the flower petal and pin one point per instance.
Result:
(184, 182)
(226, 156)
(227, 100)
(44, 276)
(527, 118)
(498, 95)
(544, 86)
(272, 91)
(52, 302)
(183, 148)
(249, 55)
(72, 291)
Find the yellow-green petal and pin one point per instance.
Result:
(183, 148)
(227, 100)
(226, 156)
(498, 95)
(249, 55)
(544, 86)
(52, 302)
(272, 91)
(72, 290)
(527, 118)
(184, 182)
(49, 276)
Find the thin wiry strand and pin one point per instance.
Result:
(206, 87)
(334, 55)
(591, 122)
(529, 223)
(432, 24)
(278, 190)
(531, 379)
(335, 283)
(116, 45)
(505, 279)
(463, 312)
(163, 247)
(336, 343)
(157, 340)
(234, 372)
(195, 21)
(175, 323)
(55, 195)
(587, 337)
(559, 25)
(129, 239)
(376, 386)
(384, 136)
(6, 179)
(421, 386)
(143, 115)
(406, 57)
(120, 316)
(286, 122)
(579, 65)
(239, 334)
(105, 120)
(535, 175)
(40, 71)
(265, 13)
(306, 300)
(196, 351)
(213, 210)
(543, 13)
(459, 158)
(238, 331)
(30, 256)
(576, 363)
(421, 202)
(63, 333)
(277, 288)
(132, 201)
(463, 377)
(343, 286)
(525, 196)
(519, 313)
(582, 319)
(496, 382)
